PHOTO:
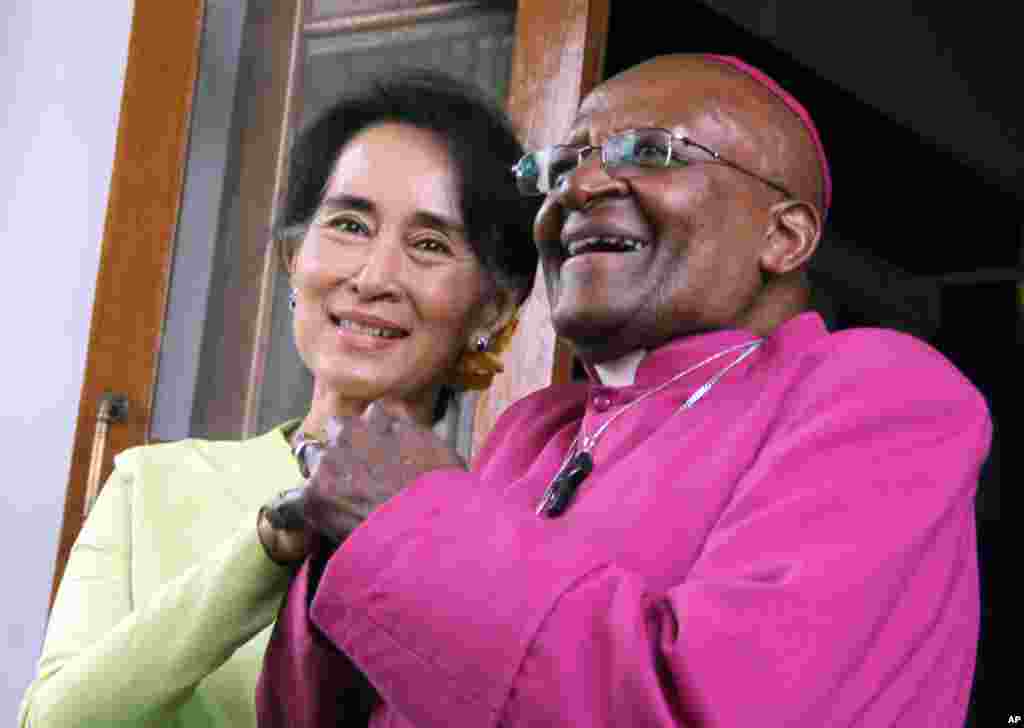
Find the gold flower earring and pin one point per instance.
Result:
(478, 364)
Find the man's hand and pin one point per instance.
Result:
(368, 459)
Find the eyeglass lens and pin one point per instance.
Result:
(543, 170)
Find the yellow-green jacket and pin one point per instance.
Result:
(162, 615)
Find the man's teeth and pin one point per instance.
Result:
(606, 245)
(371, 330)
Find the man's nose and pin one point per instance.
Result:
(589, 181)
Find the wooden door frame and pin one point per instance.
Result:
(558, 59)
(136, 252)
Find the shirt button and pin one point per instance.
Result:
(601, 402)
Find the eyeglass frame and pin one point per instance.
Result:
(581, 151)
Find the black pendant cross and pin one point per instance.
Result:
(560, 492)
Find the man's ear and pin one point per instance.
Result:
(792, 236)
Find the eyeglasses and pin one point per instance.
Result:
(626, 154)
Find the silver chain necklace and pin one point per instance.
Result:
(579, 463)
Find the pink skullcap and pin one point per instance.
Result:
(795, 106)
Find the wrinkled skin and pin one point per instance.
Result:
(368, 460)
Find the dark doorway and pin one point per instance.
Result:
(918, 241)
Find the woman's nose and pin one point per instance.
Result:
(380, 274)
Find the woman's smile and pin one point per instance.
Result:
(365, 332)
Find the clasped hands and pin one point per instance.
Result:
(368, 459)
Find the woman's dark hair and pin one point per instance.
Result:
(480, 143)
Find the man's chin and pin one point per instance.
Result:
(595, 335)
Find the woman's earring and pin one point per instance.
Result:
(291, 299)
(483, 343)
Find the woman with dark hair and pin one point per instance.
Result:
(408, 250)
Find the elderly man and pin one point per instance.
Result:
(740, 519)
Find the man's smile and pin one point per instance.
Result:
(604, 244)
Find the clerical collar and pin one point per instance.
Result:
(619, 372)
(649, 368)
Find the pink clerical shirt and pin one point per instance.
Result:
(797, 549)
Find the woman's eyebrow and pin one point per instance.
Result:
(348, 202)
(424, 218)
(440, 222)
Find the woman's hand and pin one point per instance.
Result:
(369, 459)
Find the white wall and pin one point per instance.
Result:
(61, 75)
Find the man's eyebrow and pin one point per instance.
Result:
(348, 202)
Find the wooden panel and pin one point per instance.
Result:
(475, 46)
(324, 9)
(396, 18)
(558, 59)
(228, 357)
(269, 289)
(135, 257)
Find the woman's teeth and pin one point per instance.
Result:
(371, 330)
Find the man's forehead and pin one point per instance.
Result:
(616, 106)
(718, 101)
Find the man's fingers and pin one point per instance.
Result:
(334, 473)
(378, 419)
